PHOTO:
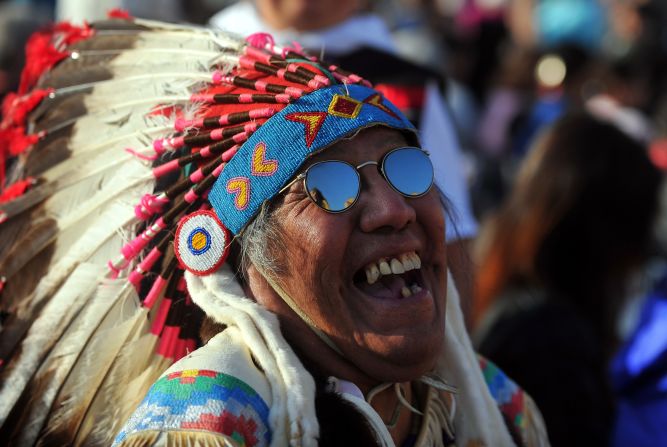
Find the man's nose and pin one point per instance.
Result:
(382, 206)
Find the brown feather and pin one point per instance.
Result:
(21, 283)
(28, 241)
(61, 112)
(80, 71)
(19, 419)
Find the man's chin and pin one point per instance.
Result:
(404, 361)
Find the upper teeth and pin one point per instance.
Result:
(401, 264)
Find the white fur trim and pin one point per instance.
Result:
(292, 387)
(478, 417)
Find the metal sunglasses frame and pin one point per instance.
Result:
(356, 169)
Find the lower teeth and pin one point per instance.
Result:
(413, 289)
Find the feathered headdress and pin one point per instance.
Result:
(174, 118)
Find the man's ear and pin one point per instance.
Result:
(259, 289)
(256, 287)
(250, 276)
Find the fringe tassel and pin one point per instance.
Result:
(437, 421)
(150, 438)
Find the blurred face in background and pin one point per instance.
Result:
(307, 15)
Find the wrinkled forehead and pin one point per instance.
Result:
(277, 150)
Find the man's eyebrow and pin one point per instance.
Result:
(397, 141)
(395, 137)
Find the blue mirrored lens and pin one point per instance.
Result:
(409, 170)
(333, 185)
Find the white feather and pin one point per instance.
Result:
(51, 323)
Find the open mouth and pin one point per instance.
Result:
(396, 277)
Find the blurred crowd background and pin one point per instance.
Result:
(559, 108)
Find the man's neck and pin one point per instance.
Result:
(395, 415)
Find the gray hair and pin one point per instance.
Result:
(261, 243)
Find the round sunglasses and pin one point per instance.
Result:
(335, 185)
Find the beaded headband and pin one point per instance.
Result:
(276, 151)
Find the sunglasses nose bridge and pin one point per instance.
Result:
(363, 165)
(370, 181)
(367, 163)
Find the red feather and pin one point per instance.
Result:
(15, 108)
(16, 190)
(14, 141)
(119, 13)
(45, 49)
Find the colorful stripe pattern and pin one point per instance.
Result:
(507, 394)
(203, 400)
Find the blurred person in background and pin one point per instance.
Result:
(190, 11)
(626, 94)
(554, 265)
(565, 54)
(633, 88)
(533, 89)
(350, 34)
(639, 369)
(560, 76)
(544, 61)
